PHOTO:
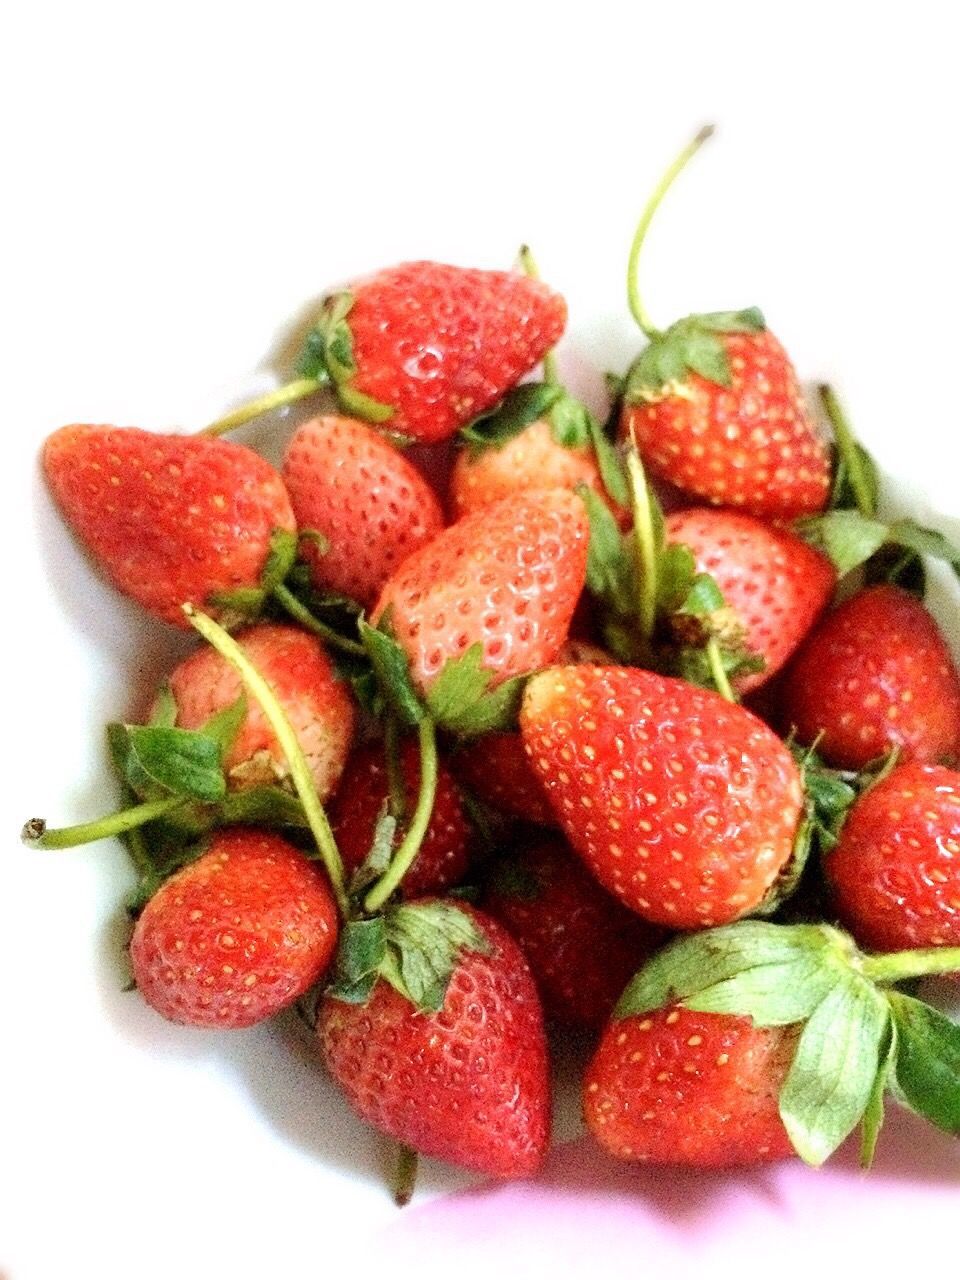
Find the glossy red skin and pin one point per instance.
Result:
(444, 856)
(875, 674)
(348, 482)
(777, 584)
(236, 936)
(752, 445)
(683, 805)
(169, 519)
(296, 667)
(582, 945)
(442, 344)
(507, 576)
(895, 872)
(684, 1088)
(496, 770)
(468, 1085)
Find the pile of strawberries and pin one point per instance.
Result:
(641, 729)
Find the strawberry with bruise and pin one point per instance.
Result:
(467, 1083)
(775, 584)
(372, 507)
(875, 674)
(683, 805)
(895, 871)
(506, 577)
(170, 519)
(237, 935)
(297, 668)
(677, 1087)
(444, 854)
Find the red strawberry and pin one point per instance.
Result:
(170, 519)
(467, 1084)
(677, 1087)
(237, 935)
(532, 459)
(507, 577)
(875, 674)
(297, 668)
(373, 507)
(774, 582)
(895, 872)
(495, 768)
(581, 944)
(426, 347)
(445, 852)
(683, 805)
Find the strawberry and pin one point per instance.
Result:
(875, 674)
(683, 805)
(758, 1040)
(237, 935)
(371, 506)
(496, 770)
(580, 943)
(455, 1070)
(505, 578)
(424, 347)
(317, 704)
(774, 583)
(677, 1087)
(364, 789)
(715, 407)
(170, 519)
(895, 871)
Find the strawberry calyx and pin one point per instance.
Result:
(691, 345)
(886, 551)
(327, 356)
(856, 482)
(415, 947)
(858, 1036)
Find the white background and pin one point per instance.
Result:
(179, 181)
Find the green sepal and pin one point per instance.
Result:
(570, 422)
(267, 806)
(851, 540)
(392, 670)
(156, 760)
(461, 701)
(163, 714)
(833, 1074)
(691, 345)
(611, 569)
(875, 1110)
(927, 1069)
(244, 604)
(378, 857)
(608, 463)
(519, 409)
(328, 353)
(360, 955)
(842, 495)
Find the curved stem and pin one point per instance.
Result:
(530, 268)
(717, 671)
(637, 308)
(412, 840)
(289, 393)
(900, 965)
(228, 648)
(36, 832)
(849, 453)
(297, 609)
(646, 542)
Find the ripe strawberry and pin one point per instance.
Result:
(295, 665)
(425, 347)
(507, 577)
(895, 872)
(580, 943)
(371, 505)
(532, 459)
(444, 854)
(875, 674)
(677, 1087)
(683, 805)
(467, 1083)
(773, 581)
(237, 935)
(170, 519)
(495, 768)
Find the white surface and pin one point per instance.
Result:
(181, 181)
